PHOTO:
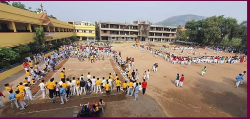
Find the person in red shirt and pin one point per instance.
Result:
(25, 65)
(1, 100)
(181, 80)
(133, 61)
(144, 86)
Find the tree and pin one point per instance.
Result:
(74, 38)
(6, 55)
(243, 33)
(39, 36)
(51, 16)
(235, 42)
(225, 42)
(19, 5)
(22, 49)
(5, 2)
(97, 33)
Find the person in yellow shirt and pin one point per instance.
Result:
(116, 77)
(25, 80)
(27, 73)
(77, 86)
(124, 87)
(30, 64)
(20, 99)
(107, 86)
(118, 85)
(110, 75)
(130, 86)
(51, 86)
(128, 74)
(20, 88)
(98, 85)
(8, 88)
(62, 75)
(64, 72)
(32, 82)
(92, 58)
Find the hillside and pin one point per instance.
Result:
(179, 20)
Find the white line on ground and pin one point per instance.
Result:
(51, 77)
(47, 110)
(92, 69)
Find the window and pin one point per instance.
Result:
(84, 31)
(122, 37)
(90, 31)
(113, 37)
(105, 31)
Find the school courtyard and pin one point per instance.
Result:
(211, 95)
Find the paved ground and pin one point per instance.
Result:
(211, 95)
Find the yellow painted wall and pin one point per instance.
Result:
(85, 34)
(59, 35)
(14, 39)
(10, 13)
(14, 70)
(82, 27)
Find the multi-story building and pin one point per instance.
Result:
(84, 30)
(142, 31)
(17, 26)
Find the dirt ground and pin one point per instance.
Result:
(211, 95)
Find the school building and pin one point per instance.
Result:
(138, 30)
(17, 26)
(84, 30)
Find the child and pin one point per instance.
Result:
(124, 86)
(140, 86)
(177, 80)
(181, 80)
(28, 92)
(204, 71)
(20, 99)
(57, 90)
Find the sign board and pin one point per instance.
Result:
(49, 34)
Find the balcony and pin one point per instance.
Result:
(85, 34)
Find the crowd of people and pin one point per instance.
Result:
(173, 58)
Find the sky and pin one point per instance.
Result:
(129, 11)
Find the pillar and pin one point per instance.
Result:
(54, 29)
(59, 29)
(13, 26)
(30, 27)
(48, 28)
(80, 38)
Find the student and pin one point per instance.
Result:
(107, 86)
(144, 86)
(20, 88)
(77, 87)
(57, 93)
(1, 99)
(81, 77)
(88, 76)
(136, 89)
(42, 88)
(98, 85)
(82, 86)
(238, 80)
(8, 88)
(66, 86)
(140, 87)
(63, 95)
(20, 99)
(116, 76)
(110, 81)
(144, 75)
(25, 80)
(28, 92)
(125, 86)
(73, 86)
(103, 83)
(203, 71)
(130, 86)
(177, 81)
(93, 86)
(12, 98)
(62, 75)
(137, 74)
(51, 86)
(243, 74)
(181, 80)
(148, 73)
(118, 83)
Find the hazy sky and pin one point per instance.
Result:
(128, 11)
